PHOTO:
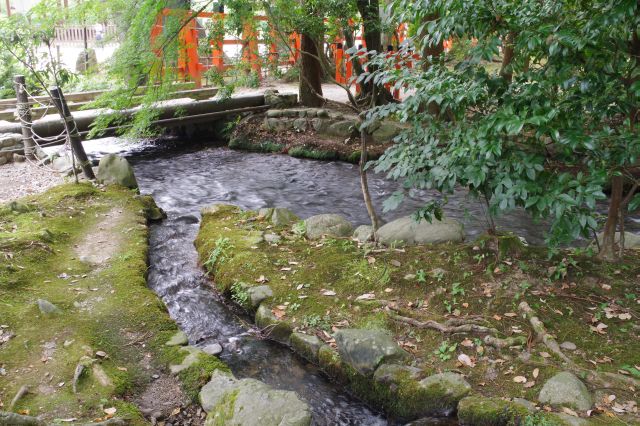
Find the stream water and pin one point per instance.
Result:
(184, 179)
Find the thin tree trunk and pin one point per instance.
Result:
(506, 70)
(310, 73)
(608, 243)
(365, 136)
(428, 50)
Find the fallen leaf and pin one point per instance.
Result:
(529, 384)
(278, 313)
(371, 260)
(600, 328)
(569, 411)
(395, 263)
(110, 411)
(388, 290)
(465, 360)
(101, 354)
(175, 412)
(122, 368)
(465, 305)
(535, 373)
(497, 317)
(625, 316)
(262, 279)
(466, 342)
(510, 314)
(328, 293)
(520, 379)
(545, 355)
(291, 262)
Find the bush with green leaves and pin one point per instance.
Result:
(548, 132)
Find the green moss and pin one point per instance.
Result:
(314, 154)
(130, 413)
(38, 260)
(196, 376)
(243, 143)
(476, 410)
(427, 283)
(222, 414)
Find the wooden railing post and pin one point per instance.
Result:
(74, 136)
(23, 110)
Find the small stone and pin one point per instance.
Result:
(68, 343)
(19, 158)
(363, 233)
(213, 349)
(272, 238)
(568, 346)
(47, 307)
(114, 169)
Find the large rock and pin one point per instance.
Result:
(278, 216)
(259, 294)
(333, 225)
(631, 241)
(10, 140)
(565, 389)
(407, 231)
(363, 233)
(249, 402)
(364, 350)
(114, 169)
(306, 345)
(343, 129)
(445, 390)
(386, 132)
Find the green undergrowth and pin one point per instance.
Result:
(103, 307)
(484, 281)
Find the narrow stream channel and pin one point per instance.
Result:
(184, 179)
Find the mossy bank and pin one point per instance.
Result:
(438, 329)
(82, 336)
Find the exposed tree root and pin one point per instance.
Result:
(541, 332)
(24, 389)
(19, 420)
(499, 343)
(601, 378)
(444, 328)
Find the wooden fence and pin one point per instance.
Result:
(73, 35)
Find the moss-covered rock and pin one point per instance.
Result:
(278, 216)
(480, 411)
(332, 225)
(248, 402)
(565, 389)
(444, 391)
(274, 328)
(364, 350)
(307, 346)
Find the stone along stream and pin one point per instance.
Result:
(183, 180)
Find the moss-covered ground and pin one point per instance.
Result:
(106, 312)
(320, 286)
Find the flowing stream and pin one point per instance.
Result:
(183, 179)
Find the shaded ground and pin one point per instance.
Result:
(422, 294)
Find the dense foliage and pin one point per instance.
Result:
(548, 132)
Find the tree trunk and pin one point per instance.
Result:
(365, 136)
(429, 50)
(310, 73)
(372, 27)
(507, 57)
(608, 242)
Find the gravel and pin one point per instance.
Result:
(21, 179)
